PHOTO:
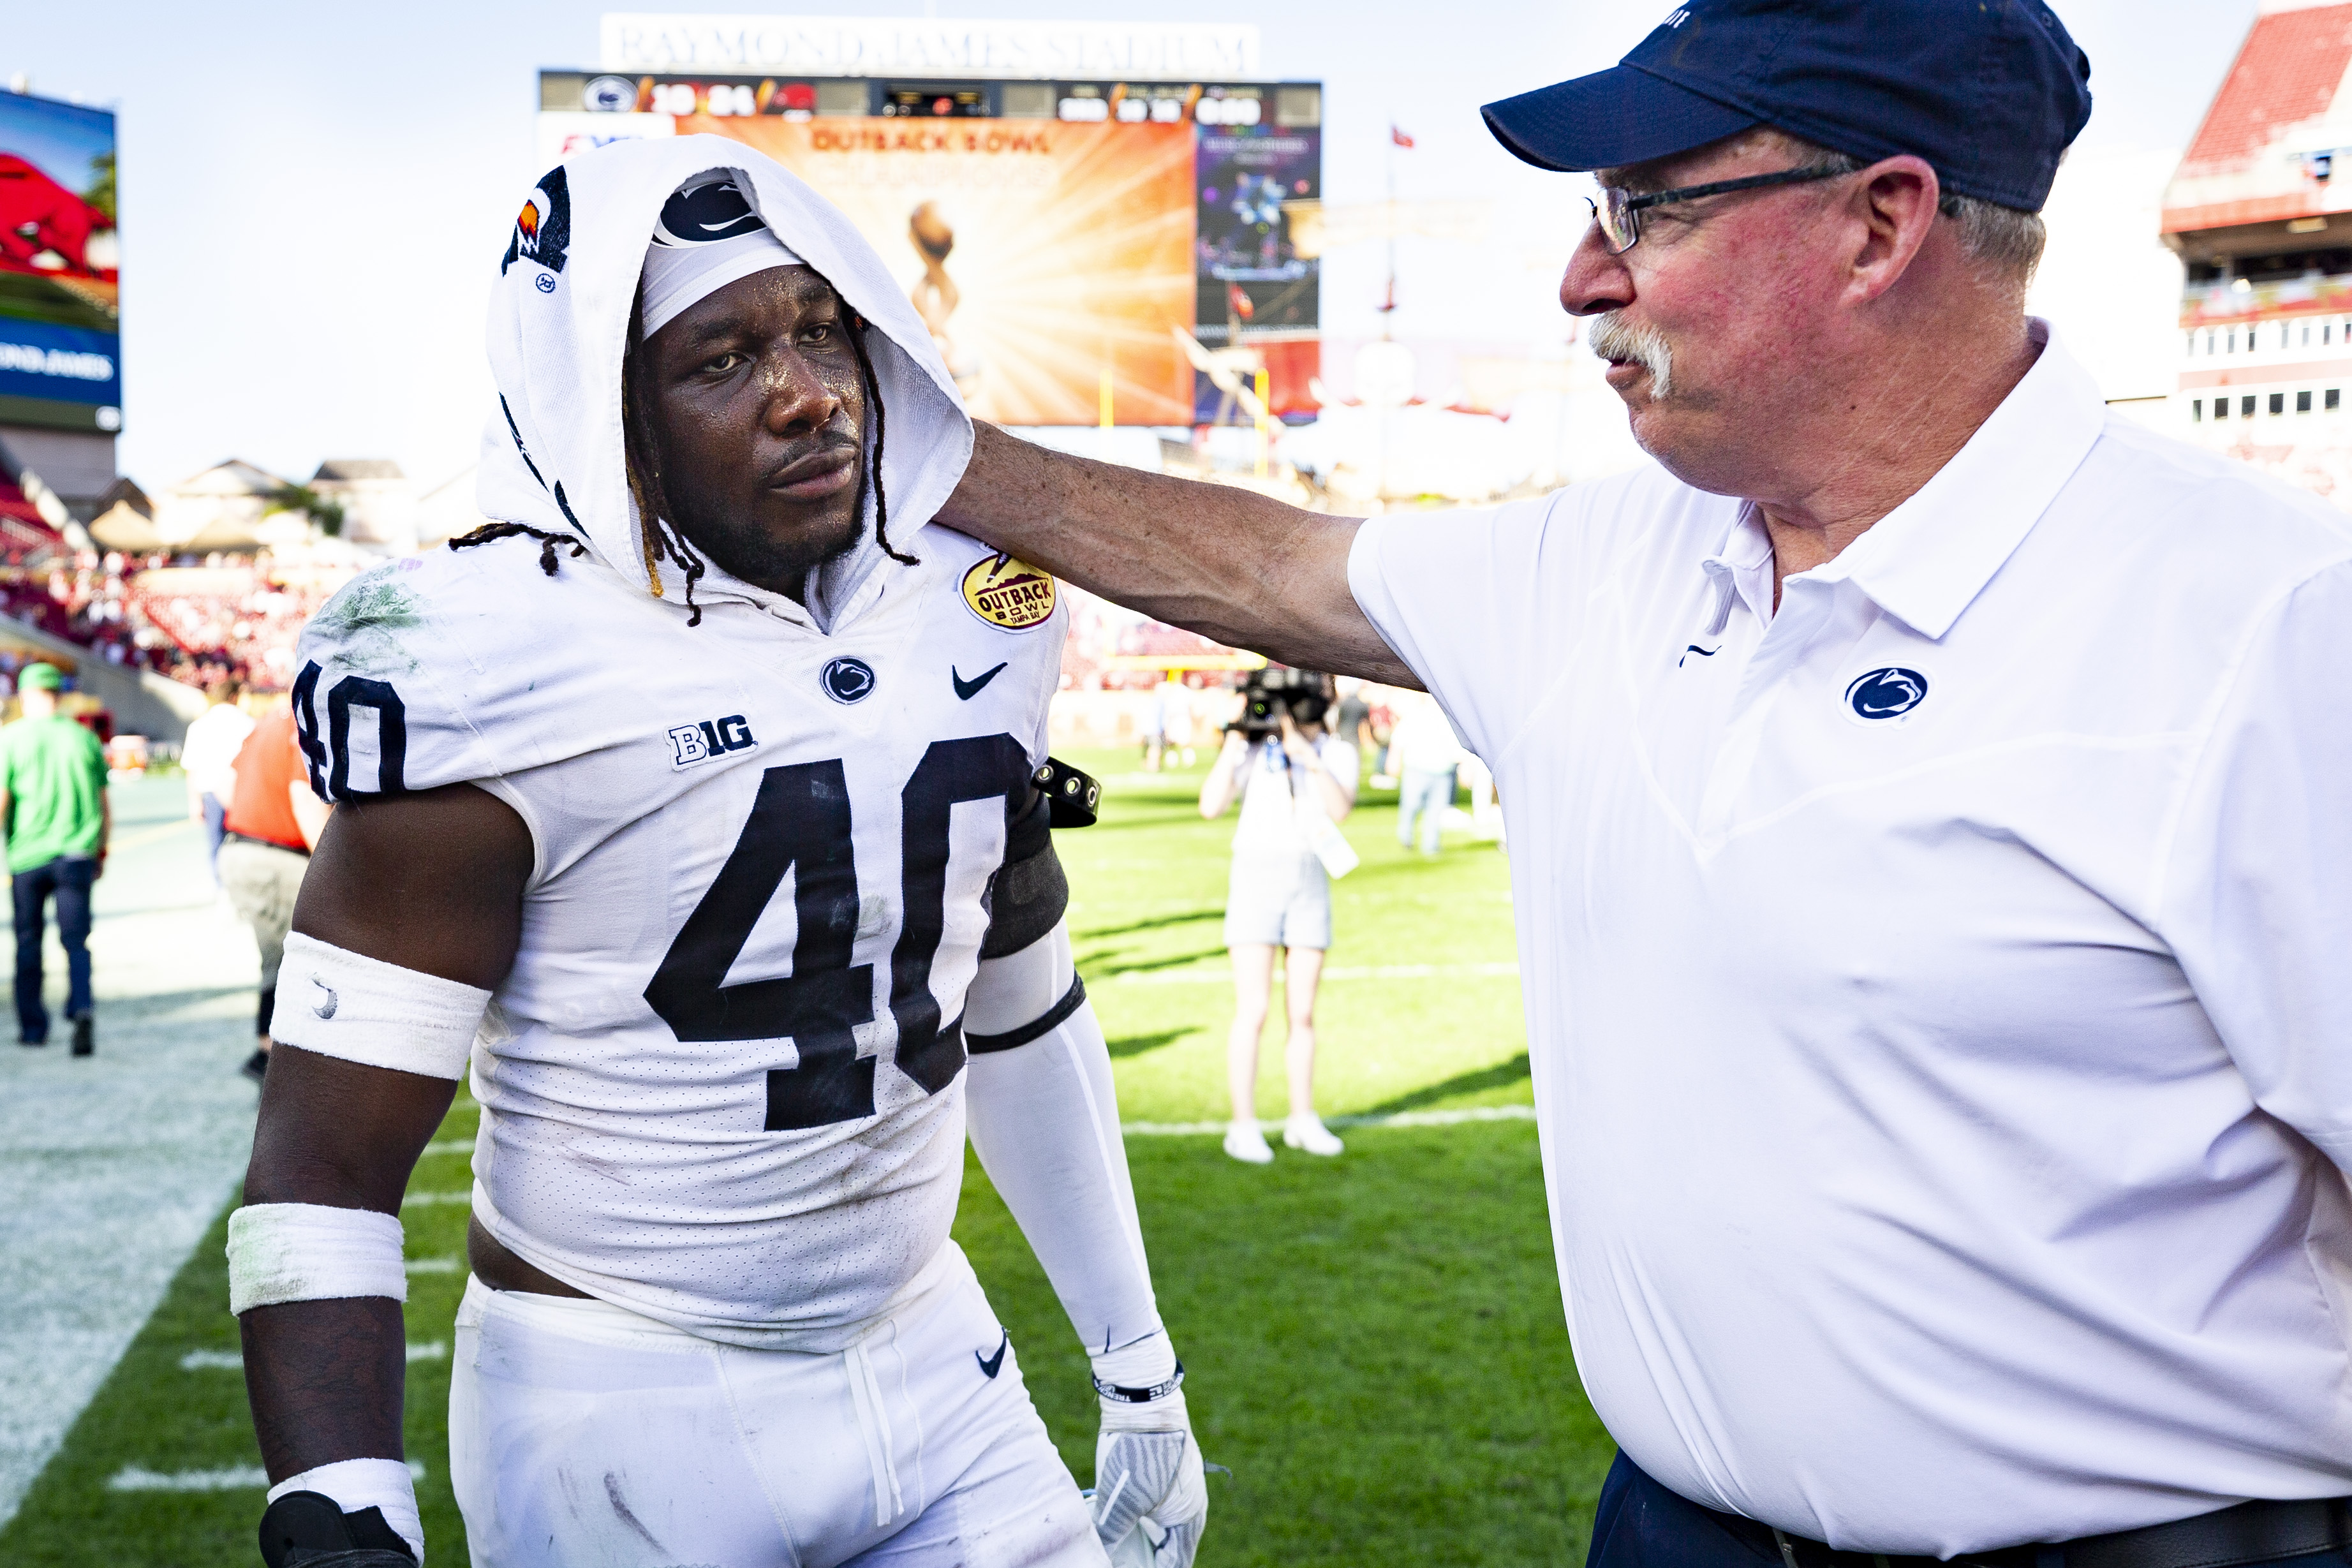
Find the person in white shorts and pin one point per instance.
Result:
(1294, 784)
(700, 804)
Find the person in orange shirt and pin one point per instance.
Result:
(273, 820)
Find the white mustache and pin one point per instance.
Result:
(1613, 337)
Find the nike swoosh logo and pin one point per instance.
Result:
(989, 1363)
(968, 690)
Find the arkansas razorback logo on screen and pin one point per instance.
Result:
(542, 230)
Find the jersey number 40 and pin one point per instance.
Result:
(800, 822)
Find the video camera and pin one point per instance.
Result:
(1268, 694)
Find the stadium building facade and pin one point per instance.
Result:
(2260, 211)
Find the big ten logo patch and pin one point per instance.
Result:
(692, 743)
(1009, 595)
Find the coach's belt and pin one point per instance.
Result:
(2251, 1532)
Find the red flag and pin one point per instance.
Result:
(1399, 137)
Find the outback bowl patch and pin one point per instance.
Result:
(1009, 595)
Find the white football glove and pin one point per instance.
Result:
(1150, 1500)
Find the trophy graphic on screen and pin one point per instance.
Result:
(935, 294)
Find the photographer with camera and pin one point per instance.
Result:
(1295, 783)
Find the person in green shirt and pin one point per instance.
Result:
(53, 802)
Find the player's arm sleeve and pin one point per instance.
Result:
(1044, 1118)
(2254, 897)
(1471, 602)
(1044, 1109)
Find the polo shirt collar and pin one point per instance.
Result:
(1926, 561)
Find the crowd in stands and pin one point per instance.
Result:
(1109, 647)
(200, 622)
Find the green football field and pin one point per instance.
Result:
(1373, 1344)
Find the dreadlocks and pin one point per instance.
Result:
(874, 402)
(639, 453)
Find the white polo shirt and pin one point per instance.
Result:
(1940, 991)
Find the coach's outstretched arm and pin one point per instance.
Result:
(1227, 563)
(409, 917)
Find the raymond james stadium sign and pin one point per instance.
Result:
(913, 47)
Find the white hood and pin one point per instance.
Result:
(551, 455)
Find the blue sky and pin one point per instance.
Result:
(314, 197)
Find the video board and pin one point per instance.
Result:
(60, 332)
(1050, 233)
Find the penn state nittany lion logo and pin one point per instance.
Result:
(847, 680)
(1887, 693)
(542, 230)
(1009, 595)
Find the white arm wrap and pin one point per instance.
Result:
(1045, 1117)
(1009, 992)
(308, 1252)
(357, 1484)
(379, 1015)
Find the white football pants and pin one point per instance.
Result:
(584, 1435)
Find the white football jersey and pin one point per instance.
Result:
(721, 1086)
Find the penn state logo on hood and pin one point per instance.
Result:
(542, 230)
(708, 208)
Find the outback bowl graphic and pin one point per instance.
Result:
(1887, 693)
(1009, 595)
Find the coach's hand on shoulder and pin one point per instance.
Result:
(1151, 1497)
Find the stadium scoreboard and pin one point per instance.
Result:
(1050, 230)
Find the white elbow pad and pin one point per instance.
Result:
(308, 1252)
(361, 1009)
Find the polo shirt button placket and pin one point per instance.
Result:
(1804, 609)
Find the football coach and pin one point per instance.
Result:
(1930, 826)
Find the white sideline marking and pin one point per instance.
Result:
(431, 1265)
(234, 1361)
(228, 1479)
(1399, 1118)
(1206, 976)
(426, 1200)
(449, 1146)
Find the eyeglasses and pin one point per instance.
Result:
(1617, 213)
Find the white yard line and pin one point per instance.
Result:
(234, 1361)
(1206, 975)
(227, 1479)
(119, 1162)
(1395, 1119)
(432, 1264)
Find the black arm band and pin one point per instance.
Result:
(1142, 1395)
(1036, 1028)
(1027, 896)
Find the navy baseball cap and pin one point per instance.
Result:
(1990, 93)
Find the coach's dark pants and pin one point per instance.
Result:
(68, 878)
(1641, 1524)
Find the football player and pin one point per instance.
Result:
(693, 803)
